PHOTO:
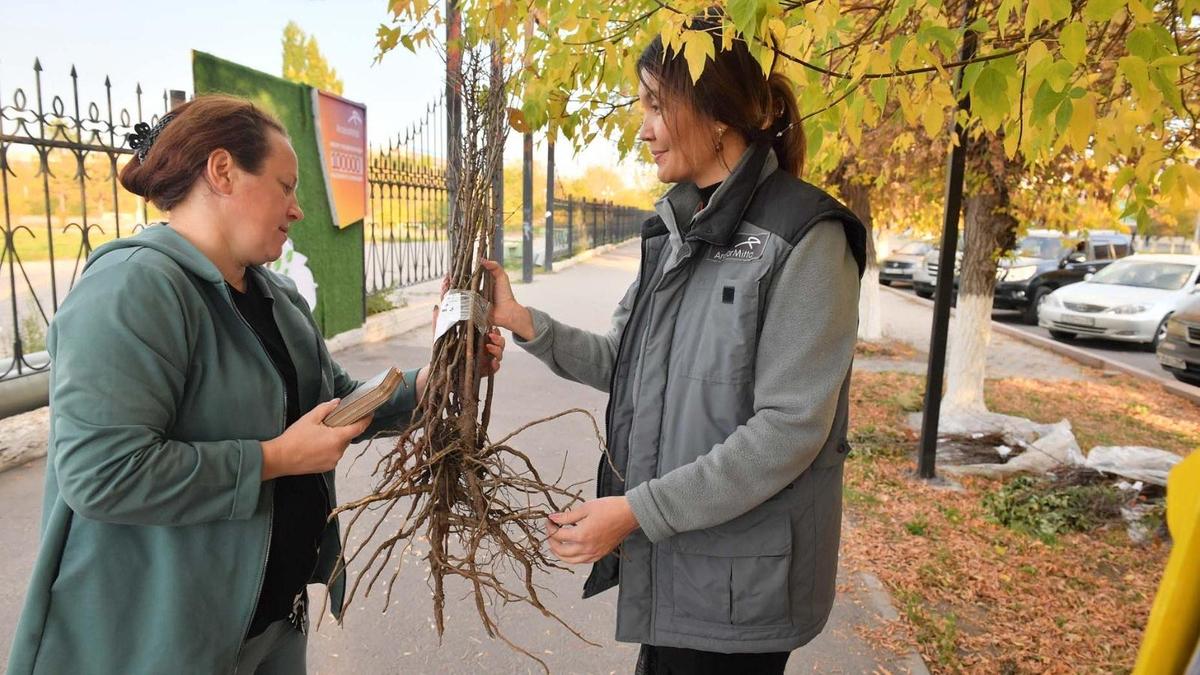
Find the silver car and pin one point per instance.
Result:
(1130, 300)
(899, 266)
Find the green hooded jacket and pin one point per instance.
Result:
(155, 522)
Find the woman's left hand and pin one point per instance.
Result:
(493, 353)
(589, 532)
(493, 349)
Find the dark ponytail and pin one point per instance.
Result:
(787, 132)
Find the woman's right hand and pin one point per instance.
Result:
(308, 446)
(506, 311)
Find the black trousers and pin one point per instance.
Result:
(675, 661)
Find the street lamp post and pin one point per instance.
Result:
(956, 168)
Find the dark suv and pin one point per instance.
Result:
(1045, 261)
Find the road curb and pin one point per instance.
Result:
(881, 601)
(1074, 353)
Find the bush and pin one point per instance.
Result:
(1043, 510)
(33, 333)
(378, 302)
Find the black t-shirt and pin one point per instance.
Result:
(301, 504)
(706, 193)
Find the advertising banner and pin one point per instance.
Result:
(342, 138)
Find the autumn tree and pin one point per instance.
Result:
(1106, 84)
(304, 63)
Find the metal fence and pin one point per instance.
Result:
(405, 235)
(580, 224)
(1167, 245)
(406, 232)
(60, 156)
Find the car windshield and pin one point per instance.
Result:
(1145, 274)
(914, 248)
(1045, 248)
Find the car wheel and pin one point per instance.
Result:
(1062, 335)
(1188, 379)
(1030, 315)
(1160, 333)
(924, 294)
(886, 282)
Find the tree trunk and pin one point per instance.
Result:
(990, 231)
(858, 200)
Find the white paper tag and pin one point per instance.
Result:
(458, 306)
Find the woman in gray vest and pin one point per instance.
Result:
(728, 370)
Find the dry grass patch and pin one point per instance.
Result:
(977, 596)
(1117, 410)
(893, 350)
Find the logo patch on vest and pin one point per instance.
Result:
(742, 248)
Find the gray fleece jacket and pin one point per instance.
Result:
(728, 368)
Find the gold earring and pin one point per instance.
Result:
(720, 134)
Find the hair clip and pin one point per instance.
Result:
(143, 136)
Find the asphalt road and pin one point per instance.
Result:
(1131, 354)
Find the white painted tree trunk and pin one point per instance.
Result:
(966, 362)
(870, 321)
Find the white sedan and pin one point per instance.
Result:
(1129, 300)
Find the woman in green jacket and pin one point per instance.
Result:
(189, 477)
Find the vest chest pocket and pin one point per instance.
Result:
(728, 335)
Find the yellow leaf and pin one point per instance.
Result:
(906, 106)
(908, 55)
(860, 66)
(879, 61)
(933, 118)
(697, 49)
(1191, 176)
(1036, 54)
(1083, 122)
(941, 93)
(832, 9)
(1146, 167)
(1010, 144)
(1140, 12)
(854, 131)
(1073, 42)
(1168, 180)
(1036, 11)
(817, 19)
(870, 114)
(778, 28)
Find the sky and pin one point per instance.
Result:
(136, 41)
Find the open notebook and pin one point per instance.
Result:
(365, 399)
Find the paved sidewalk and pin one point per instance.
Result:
(402, 639)
(910, 319)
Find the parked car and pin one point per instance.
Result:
(1129, 300)
(1179, 350)
(899, 266)
(924, 280)
(1045, 261)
